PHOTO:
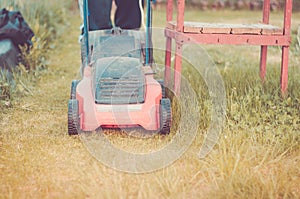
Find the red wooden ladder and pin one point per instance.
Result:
(262, 34)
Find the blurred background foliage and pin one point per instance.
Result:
(47, 19)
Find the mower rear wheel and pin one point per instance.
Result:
(165, 111)
(73, 89)
(163, 88)
(73, 117)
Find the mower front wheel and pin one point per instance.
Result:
(165, 116)
(73, 89)
(73, 117)
(163, 88)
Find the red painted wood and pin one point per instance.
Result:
(168, 61)
(285, 49)
(264, 49)
(169, 10)
(263, 62)
(284, 69)
(223, 28)
(264, 40)
(180, 15)
(177, 68)
(266, 11)
(287, 17)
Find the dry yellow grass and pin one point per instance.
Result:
(254, 158)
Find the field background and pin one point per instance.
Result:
(257, 155)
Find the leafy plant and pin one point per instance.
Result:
(45, 19)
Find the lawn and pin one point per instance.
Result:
(257, 154)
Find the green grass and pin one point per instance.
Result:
(257, 155)
(45, 19)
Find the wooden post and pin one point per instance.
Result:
(178, 50)
(169, 10)
(168, 52)
(284, 69)
(264, 49)
(177, 68)
(180, 15)
(285, 49)
(266, 11)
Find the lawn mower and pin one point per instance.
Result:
(118, 89)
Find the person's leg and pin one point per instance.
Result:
(128, 14)
(99, 14)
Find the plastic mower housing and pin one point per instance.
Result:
(117, 89)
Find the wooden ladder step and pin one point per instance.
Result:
(220, 28)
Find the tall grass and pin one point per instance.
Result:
(45, 19)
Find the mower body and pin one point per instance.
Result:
(117, 89)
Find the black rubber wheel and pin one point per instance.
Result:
(73, 89)
(73, 117)
(163, 88)
(165, 111)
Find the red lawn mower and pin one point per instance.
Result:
(118, 89)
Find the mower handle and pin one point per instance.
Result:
(86, 31)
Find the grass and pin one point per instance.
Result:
(45, 19)
(257, 155)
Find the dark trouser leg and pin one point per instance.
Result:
(128, 15)
(99, 14)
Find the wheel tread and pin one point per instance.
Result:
(165, 115)
(73, 117)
